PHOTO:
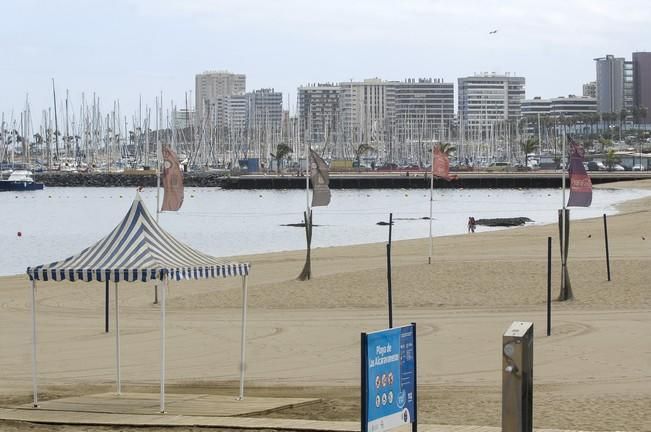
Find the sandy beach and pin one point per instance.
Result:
(593, 373)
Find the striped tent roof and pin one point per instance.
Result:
(138, 249)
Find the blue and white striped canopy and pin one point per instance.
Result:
(138, 249)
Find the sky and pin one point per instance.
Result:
(124, 49)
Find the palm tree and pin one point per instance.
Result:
(282, 151)
(611, 159)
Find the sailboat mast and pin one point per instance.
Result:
(56, 123)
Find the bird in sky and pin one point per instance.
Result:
(492, 32)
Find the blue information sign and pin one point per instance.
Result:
(390, 379)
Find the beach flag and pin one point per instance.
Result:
(580, 183)
(441, 164)
(320, 180)
(172, 181)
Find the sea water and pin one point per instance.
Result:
(44, 226)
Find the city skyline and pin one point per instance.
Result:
(144, 47)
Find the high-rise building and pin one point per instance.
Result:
(629, 87)
(365, 110)
(421, 109)
(211, 91)
(319, 115)
(590, 89)
(642, 82)
(487, 99)
(610, 84)
(265, 110)
(264, 117)
(235, 113)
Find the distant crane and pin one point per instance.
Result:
(492, 32)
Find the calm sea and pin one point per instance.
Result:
(58, 222)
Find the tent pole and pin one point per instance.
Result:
(34, 368)
(162, 345)
(106, 308)
(242, 342)
(117, 340)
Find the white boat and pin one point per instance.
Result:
(20, 180)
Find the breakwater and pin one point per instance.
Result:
(528, 180)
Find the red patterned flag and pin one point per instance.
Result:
(172, 181)
(441, 164)
(580, 183)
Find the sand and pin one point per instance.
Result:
(593, 373)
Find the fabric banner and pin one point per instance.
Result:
(172, 181)
(320, 180)
(441, 164)
(580, 183)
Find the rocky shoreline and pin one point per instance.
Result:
(146, 179)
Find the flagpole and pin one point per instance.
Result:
(431, 198)
(158, 154)
(563, 221)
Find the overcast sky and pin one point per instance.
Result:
(119, 49)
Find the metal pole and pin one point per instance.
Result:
(364, 389)
(431, 198)
(34, 365)
(607, 252)
(414, 424)
(563, 222)
(106, 308)
(389, 294)
(243, 336)
(549, 286)
(162, 345)
(117, 340)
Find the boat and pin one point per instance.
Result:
(20, 180)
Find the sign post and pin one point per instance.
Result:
(389, 382)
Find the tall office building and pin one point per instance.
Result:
(642, 82)
(487, 99)
(211, 91)
(318, 112)
(610, 84)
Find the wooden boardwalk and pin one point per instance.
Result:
(211, 411)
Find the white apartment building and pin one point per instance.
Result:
(561, 106)
(488, 99)
(319, 115)
(211, 89)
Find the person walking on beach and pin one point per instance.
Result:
(471, 224)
